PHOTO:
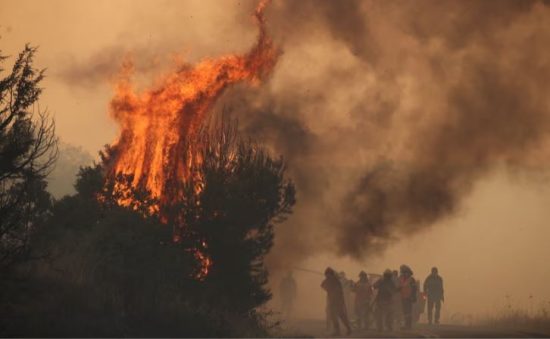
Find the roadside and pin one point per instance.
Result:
(316, 328)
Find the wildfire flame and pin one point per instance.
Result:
(156, 124)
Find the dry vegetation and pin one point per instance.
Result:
(536, 316)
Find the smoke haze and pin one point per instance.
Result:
(390, 113)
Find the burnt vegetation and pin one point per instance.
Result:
(83, 265)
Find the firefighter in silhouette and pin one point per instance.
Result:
(408, 290)
(288, 293)
(363, 299)
(383, 301)
(336, 306)
(397, 308)
(433, 288)
(347, 287)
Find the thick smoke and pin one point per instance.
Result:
(390, 112)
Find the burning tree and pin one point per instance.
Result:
(117, 272)
(223, 214)
(163, 148)
(230, 223)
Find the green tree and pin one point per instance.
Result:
(28, 149)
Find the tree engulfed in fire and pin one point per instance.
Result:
(157, 124)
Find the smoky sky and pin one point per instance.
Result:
(387, 112)
(426, 98)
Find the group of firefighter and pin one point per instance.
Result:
(386, 300)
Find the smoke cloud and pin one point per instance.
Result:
(390, 112)
(104, 65)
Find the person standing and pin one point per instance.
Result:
(433, 288)
(336, 305)
(347, 286)
(363, 299)
(407, 287)
(397, 307)
(383, 301)
(288, 294)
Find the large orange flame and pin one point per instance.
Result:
(157, 123)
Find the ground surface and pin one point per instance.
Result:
(316, 328)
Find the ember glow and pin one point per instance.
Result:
(158, 123)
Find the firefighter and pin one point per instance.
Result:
(336, 305)
(397, 308)
(433, 288)
(383, 301)
(407, 288)
(288, 293)
(363, 299)
(347, 286)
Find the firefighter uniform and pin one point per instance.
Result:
(433, 288)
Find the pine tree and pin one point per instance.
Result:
(28, 149)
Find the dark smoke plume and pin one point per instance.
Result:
(390, 112)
